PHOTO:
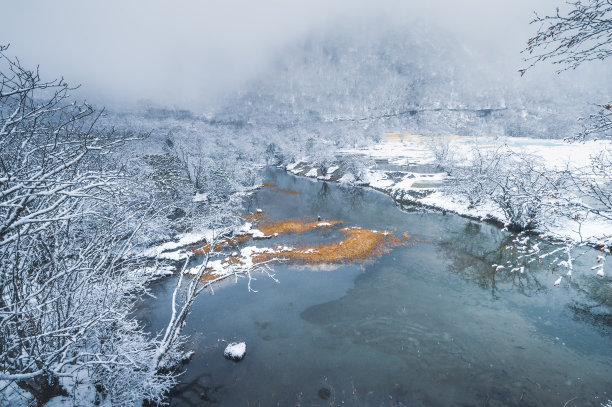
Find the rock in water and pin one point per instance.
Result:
(235, 351)
(324, 393)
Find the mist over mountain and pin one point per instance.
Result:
(409, 78)
(363, 72)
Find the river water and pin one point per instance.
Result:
(428, 324)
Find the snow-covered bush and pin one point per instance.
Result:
(440, 147)
(355, 165)
(595, 184)
(517, 185)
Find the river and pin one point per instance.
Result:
(427, 324)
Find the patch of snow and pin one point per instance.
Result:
(378, 180)
(292, 166)
(156, 270)
(312, 173)
(600, 269)
(247, 253)
(184, 240)
(175, 256)
(218, 267)
(245, 228)
(257, 233)
(13, 395)
(200, 197)
(347, 178)
(82, 392)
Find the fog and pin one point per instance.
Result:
(190, 53)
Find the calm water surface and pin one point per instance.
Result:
(428, 324)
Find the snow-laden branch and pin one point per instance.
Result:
(584, 33)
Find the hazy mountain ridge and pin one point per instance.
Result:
(410, 78)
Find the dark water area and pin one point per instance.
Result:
(428, 324)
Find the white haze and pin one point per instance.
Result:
(189, 53)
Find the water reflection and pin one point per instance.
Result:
(478, 349)
(198, 391)
(472, 258)
(595, 304)
(324, 189)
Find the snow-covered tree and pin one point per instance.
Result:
(582, 32)
(67, 224)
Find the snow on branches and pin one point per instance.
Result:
(580, 33)
(570, 38)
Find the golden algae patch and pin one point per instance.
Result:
(227, 242)
(358, 245)
(208, 276)
(288, 191)
(268, 228)
(296, 225)
(255, 216)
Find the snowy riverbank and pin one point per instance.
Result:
(406, 167)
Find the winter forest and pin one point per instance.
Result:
(306, 203)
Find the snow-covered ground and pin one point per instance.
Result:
(82, 393)
(13, 396)
(406, 149)
(175, 250)
(404, 167)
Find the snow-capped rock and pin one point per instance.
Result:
(312, 173)
(235, 351)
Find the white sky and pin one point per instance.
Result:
(184, 52)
